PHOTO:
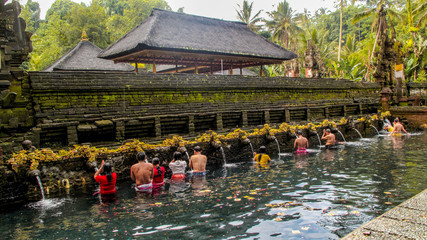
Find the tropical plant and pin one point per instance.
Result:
(283, 24)
(244, 14)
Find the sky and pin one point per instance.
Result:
(222, 9)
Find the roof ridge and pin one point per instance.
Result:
(198, 16)
(63, 57)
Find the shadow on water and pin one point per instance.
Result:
(324, 194)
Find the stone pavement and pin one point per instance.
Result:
(406, 221)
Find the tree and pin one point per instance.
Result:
(244, 14)
(31, 14)
(283, 23)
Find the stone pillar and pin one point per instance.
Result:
(219, 124)
(72, 137)
(120, 130)
(326, 112)
(191, 129)
(287, 115)
(267, 116)
(245, 118)
(157, 127)
(344, 110)
(308, 114)
(360, 108)
(36, 139)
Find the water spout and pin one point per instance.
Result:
(375, 129)
(278, 146)
(341, 135)
(41, 186)
(252, 149)
(223, 156)
(188, 156)
(318, 138)
(360, 135)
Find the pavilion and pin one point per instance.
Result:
(84, 57)
(203, 44)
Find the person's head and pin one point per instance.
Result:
(26, 144)
(140, 156)
(328, 131)
(396, 120)
(107, 170)
(156, 161)
(177, 156)
(197, 149)
(262, 149)
(299, 133)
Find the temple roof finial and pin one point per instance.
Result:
(84, 36)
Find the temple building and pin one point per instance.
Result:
(201, 44)
(84, 57)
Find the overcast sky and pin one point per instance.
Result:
(222, 9)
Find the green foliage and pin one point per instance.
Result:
(104, 21)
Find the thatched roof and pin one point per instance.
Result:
(84, 57)
(177, 38)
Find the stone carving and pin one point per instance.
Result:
(313, 62)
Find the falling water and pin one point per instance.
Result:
(360, 135)
(252, 148)
(318, 138)
(223, 155)
(343, 138)
(278, 146)
(96, 169)
(188, 156)
(41, 186)
(376, 129)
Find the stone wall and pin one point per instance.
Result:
(89, 107)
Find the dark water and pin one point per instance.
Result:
(323, 195)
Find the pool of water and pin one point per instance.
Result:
(325, 194)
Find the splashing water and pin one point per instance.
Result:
(252, 149)
(343, 138)
(318, 138)
(188, 156)
(376, 129)
(223, 155)
(278, 146)
(41, 187)
(360, 135)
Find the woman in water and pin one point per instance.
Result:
(261, 157)
(177, 165)
(158, 175)
(107, 181)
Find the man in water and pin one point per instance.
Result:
(301, 143)
(142, 173)
(198, 162)
(329, 137)
(397, 129)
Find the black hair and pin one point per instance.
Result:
(177, 156)
(107, 170)
(328, 130)
(396, 120)
(299, 132)
(155, 161)
(261, 150)
(197, 149)
(140, 156)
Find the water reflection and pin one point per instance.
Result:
(321, 195)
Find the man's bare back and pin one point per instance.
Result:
(141, 173)
(301, 142)
(329, 137)
(198, 163)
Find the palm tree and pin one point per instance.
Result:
(244, 14)
(421, 12)
(283, 23)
